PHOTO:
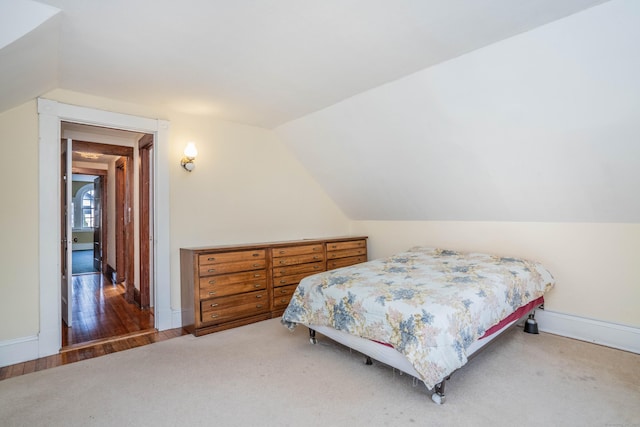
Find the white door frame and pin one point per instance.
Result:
(50, 115)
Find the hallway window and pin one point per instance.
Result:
(84, 208)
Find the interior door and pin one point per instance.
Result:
(66, 294)
(97, 224)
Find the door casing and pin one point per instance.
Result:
(50, 115)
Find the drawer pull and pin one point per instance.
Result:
(316, 257)
(316, 249)
(283, 271)
(283, 262)
(212, 293)
(211, 270)
(259, 296)
(256, 255)
(315, 267)
(333, 246)
(213, 316)
(257, 285)
(283, 252)
(283, 300)
(258, 305)
(257, 275)
(256, 265)
(211, 259)
(212, 281)
(282, 291)
(214, 305)
(283, 281)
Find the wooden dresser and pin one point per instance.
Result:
(227, 286)
(345, 253)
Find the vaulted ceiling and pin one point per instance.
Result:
(491, 110)
(258, 62)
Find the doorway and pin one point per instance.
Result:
(50, 116)
(106, 304)
(89, 226)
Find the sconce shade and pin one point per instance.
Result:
(190, 153)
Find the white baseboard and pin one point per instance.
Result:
(28, 348)
(176, 319)
(18, 350)
(595, 331)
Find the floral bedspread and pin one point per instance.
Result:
(429, 304)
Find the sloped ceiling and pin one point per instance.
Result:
(257, 62)
(544, 126)
(29, 33)
(472, 110)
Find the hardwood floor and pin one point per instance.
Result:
(100, 311)
(103, 323)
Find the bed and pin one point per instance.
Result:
(424, 311)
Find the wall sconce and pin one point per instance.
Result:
(190, 153)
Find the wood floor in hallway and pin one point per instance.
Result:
(100, 311)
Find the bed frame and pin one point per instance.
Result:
(391, 357)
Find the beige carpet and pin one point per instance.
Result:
(263, 375)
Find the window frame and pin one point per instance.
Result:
(77, 210)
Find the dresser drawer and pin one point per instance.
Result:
(290, 280)
(233, 288)
(344, 262)
(344, 253)
(313, 267)
(297, 250)
(217, 258)
(233, 307)
(297, 259)
(282, 296)
(232, 267)
(350, 244)
(228, 279)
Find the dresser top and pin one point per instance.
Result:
(250, 246)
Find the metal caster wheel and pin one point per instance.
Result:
(438, 398)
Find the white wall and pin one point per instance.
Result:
(595, 265)
(539, 127)
(526, 147)
(246, 188)
(19, 222)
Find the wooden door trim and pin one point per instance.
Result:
(120, 176)
(102, 148)
(89, 171)
(145, 192)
